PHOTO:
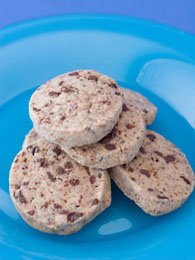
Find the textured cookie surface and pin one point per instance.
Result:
(76, 108)
(159, 179)
(52, 192)
(147, 109)
(118, 147)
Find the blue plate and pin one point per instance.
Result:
(153, 59)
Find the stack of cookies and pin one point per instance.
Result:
(86, 130)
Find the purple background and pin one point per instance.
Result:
(177, 13)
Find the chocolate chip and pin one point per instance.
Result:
(60, 170)
(110, 147)
(169, 158)
(99, 175)
(149, 189)
(16, 160)
(57, 150)
(75, 73)
(117, 93)
(63, 212)
(151, 137)
(36, 109)
(95, 202)
(17, 187)
(67, 167)
(31, 212)
(142, 150)
(35, 150)
(129, 126)
(92, 77)
(57, 206)
(108, 137)
(74, 182)
(51, 177)
(162, 197)
(145, 172)
(133, 179)
(23, 153)
(145, 111)
(74, 216)
(84, 149)
(53, 94)
(125, 108)
(92, 179)
(185, 179)
(158, 153)
(25, 183)
(61, 83)
(112, 85)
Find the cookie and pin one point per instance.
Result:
(52, 192)
(159, 179)
(76, 108)
(118, 147)
(143, 104)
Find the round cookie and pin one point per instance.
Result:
(147, 109)
(53, 193)
(76, 108)
(159, 179)
(118, 147)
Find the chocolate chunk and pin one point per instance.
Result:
(67, 167)
(169, 158)
(63, 212)
(67, 90)
(84, 149)
(36, 109)
(62, 118)
(16, 160)
(151, 137)
(133, 179)
(74, 182)
(92, 77)
(149, 189)
(51, 177)
(21, 197)
(158, 153)
(35, 150)
(61, 83)
(43, 162)
(129, 126)
(53, 94)
(57, 150)
(17, 187)
(73, 216)
(60, 170)
(25, 183)
(125, 108)
(130, 169)
(23, 153)
(145, 172)
(185, 179)
(117, 93)
(108, 137)
(110, 147)
(46, 204)
(73, 73)
(142, 150)
(162, 197)
(31, 212)
(99, 175)
(112, 85)
(57, 206)
(92, 179)
(145, 111)
(95, 202)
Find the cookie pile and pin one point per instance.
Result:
(86, 130)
